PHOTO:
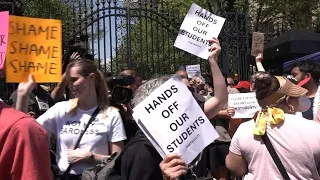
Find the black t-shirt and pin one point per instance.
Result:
(309, 113)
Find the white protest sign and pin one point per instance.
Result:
(257, 44)
(193, 70)
(245, 104)
(174, 122)
(197, 28)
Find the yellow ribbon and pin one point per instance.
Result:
(274, 116)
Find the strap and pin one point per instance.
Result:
(92, 118)
(275, 157)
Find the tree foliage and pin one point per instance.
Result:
(280, 15)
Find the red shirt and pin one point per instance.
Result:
(24, 147)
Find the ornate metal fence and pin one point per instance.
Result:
(140, 34)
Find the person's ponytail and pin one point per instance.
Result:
(102, 92)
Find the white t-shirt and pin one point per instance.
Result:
(57, 121)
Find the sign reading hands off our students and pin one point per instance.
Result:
(245, 104)
(34, 47)
(4, 19)
(174, 122)
(197, 28)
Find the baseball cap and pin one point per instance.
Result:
(287, 88)
(242, 84)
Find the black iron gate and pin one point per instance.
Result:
(139, 35)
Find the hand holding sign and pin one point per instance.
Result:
(259, 58)
(231, 111)
(215, 49)
(172, 166)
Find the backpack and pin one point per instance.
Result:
(107, 168)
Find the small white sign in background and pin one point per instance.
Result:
(174, 122)
(197, 28)
(245, 104)
(193, 70)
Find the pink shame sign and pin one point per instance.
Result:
(4, 19)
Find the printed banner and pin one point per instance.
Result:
(257, 44)
(193, 70)
(245, 104)
(174, 122)
(35, 47)
(4, 19)
(197, 28)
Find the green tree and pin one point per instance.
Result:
(266, 15)
(50, 9)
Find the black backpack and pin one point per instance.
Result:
(107, 168)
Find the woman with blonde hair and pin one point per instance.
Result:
(67, 120)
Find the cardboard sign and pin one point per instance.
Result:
(4, 19)
(174, 122)
(193, 70)
(257, 44)
(35, 47)
(197, 28)
(245, 104)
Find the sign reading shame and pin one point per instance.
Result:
(35, 47)
(173, 120)
(257, 44)
(4, 19)
(245, 104)
(197, 28)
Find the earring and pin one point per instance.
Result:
(291, 108)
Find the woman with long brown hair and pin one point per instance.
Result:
(66, 120)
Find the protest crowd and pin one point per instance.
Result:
(92, 125)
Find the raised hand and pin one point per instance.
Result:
(25, 88)
(259, 58)
(215, 48)
(75, 56)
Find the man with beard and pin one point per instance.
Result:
(307, 73)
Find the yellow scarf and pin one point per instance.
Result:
(276, 115)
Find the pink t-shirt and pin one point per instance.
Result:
(296, 141)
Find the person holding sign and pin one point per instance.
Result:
(68, 119)
(295, 140)
(144, 154)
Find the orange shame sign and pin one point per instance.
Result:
(34, 47)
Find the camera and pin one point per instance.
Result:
(119, 93)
